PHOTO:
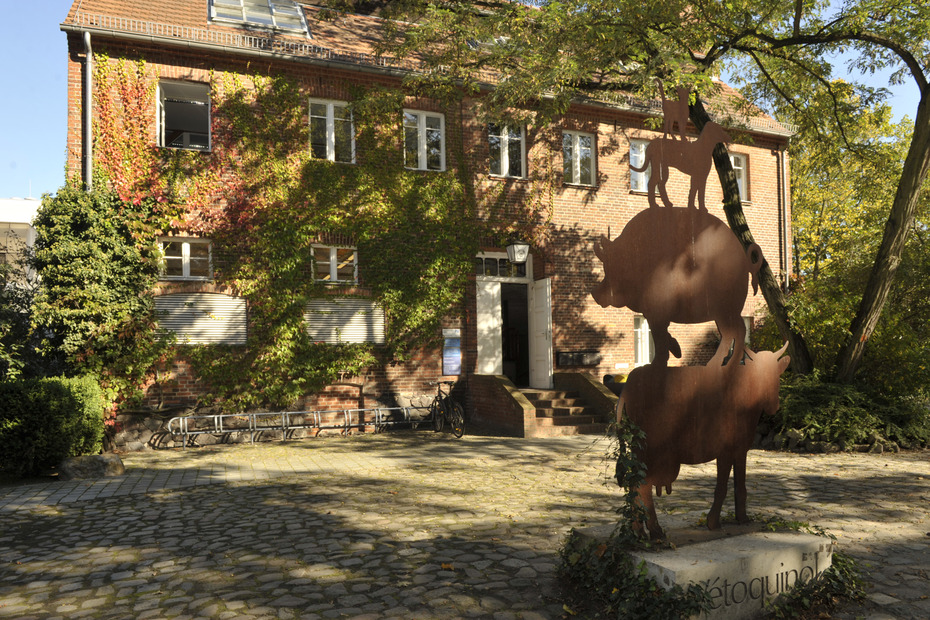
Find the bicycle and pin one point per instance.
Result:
(444, 409)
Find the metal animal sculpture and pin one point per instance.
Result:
(684, 266)
(696, 414)
(692, 158)
(674, 112)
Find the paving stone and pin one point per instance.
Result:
(363, 526)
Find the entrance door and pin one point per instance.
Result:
(513, 322)
(541, 334)
(490, 322)
(516, 333)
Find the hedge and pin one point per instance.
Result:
(43, 421)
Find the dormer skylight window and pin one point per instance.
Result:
(273, 14)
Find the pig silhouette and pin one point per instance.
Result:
(679, 265)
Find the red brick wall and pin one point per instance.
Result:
(575, 217)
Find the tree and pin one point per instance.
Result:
(17, 288)
(97, 258)
(839, 204)
(545, 55)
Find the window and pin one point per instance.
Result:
(332, 136)
(578, 158)
(739, 163)
(276, 14)
(344, 319)
(184, 115)
(500, 267)
(336, 265)
(424, 141)
(507, 151)
(14, 238)
(639, 181)
(203, 318)
(644, 349)
(186, 259)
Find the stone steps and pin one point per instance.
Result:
(560, 412)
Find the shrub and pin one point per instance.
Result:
(43, 421)
(827, 411)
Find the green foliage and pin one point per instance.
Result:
(407, 227)
(233, 375)
(17, 290)
(601, 579)
(849, 414)
(840, 194)
(782, 53)
(841, 581)
(630, 471)
(43, 421)
(98, 260)
(816, 408)
(415, 232)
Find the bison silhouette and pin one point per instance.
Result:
(680, 265)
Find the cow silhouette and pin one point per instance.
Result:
(696, 414)
(684, 266)
(693, 158)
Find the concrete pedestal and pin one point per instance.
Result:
(740, 565)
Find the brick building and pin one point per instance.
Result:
(518, 326)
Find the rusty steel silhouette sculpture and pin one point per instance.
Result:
(679, 265)
(692, 158)
(674, 111)
(684, 265)
(695, 414)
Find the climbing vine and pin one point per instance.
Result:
(265, 202)
(601, 578)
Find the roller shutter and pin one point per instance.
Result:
(335, 320)
(203, 318)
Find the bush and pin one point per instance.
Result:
(43, 421)
(825, 411)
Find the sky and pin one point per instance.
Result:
(33, 121)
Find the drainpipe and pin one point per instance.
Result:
(785, 227)
(88, 113)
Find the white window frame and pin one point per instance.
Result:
(507, 144)
(285, 15)
(334, 264)
(186, 243)
(421, 163)
(740, 163)
(515, 273)
(639, 181)
(644, 348)
(15, 237)
(331, 128)
(184, 94)
(576, 158)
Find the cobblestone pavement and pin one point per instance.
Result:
(403, 525)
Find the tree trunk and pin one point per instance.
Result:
(801, 361)
(900, 221)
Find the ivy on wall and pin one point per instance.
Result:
(264, 201)
(97, 259)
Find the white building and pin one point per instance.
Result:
(16, 231)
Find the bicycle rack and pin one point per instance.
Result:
(287, 421)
